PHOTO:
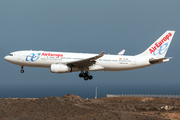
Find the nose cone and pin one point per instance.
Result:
(6, 58)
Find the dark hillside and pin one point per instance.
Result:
(72, 107)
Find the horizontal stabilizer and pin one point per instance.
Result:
(122, 52)
(160, 60)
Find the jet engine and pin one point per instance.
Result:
(60, 68)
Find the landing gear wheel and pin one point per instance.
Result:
(81, 75)
(90, 77)
(86, 74)
(22, 71)
(86, 77)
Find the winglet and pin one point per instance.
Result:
(101, 54)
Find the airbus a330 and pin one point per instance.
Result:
(65, 62)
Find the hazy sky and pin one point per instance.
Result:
(88, 26)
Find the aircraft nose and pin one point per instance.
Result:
(6, 58)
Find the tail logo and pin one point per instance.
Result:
(162, 49)
(161, 45)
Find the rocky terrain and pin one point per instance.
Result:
(72, 107)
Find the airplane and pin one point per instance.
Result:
(66, 62)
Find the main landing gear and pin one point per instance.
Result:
(22, 71)
(86, 75)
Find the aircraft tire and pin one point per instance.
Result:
(90, 77)
(85, 77)
(81, 75)
(22, 71)
(85, 74)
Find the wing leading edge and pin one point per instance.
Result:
(84, 63)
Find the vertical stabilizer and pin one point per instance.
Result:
(160, 47)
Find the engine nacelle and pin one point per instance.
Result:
(60, 68)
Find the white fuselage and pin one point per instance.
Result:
(47, 58)
(64, 62)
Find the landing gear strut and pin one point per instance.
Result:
(86, 75)
(22, 71)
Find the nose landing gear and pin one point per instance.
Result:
(86, 75)
(22, 71)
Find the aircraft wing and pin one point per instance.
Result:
(86, 62)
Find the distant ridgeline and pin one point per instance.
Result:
(142, 95)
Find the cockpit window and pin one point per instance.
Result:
(10, 54)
